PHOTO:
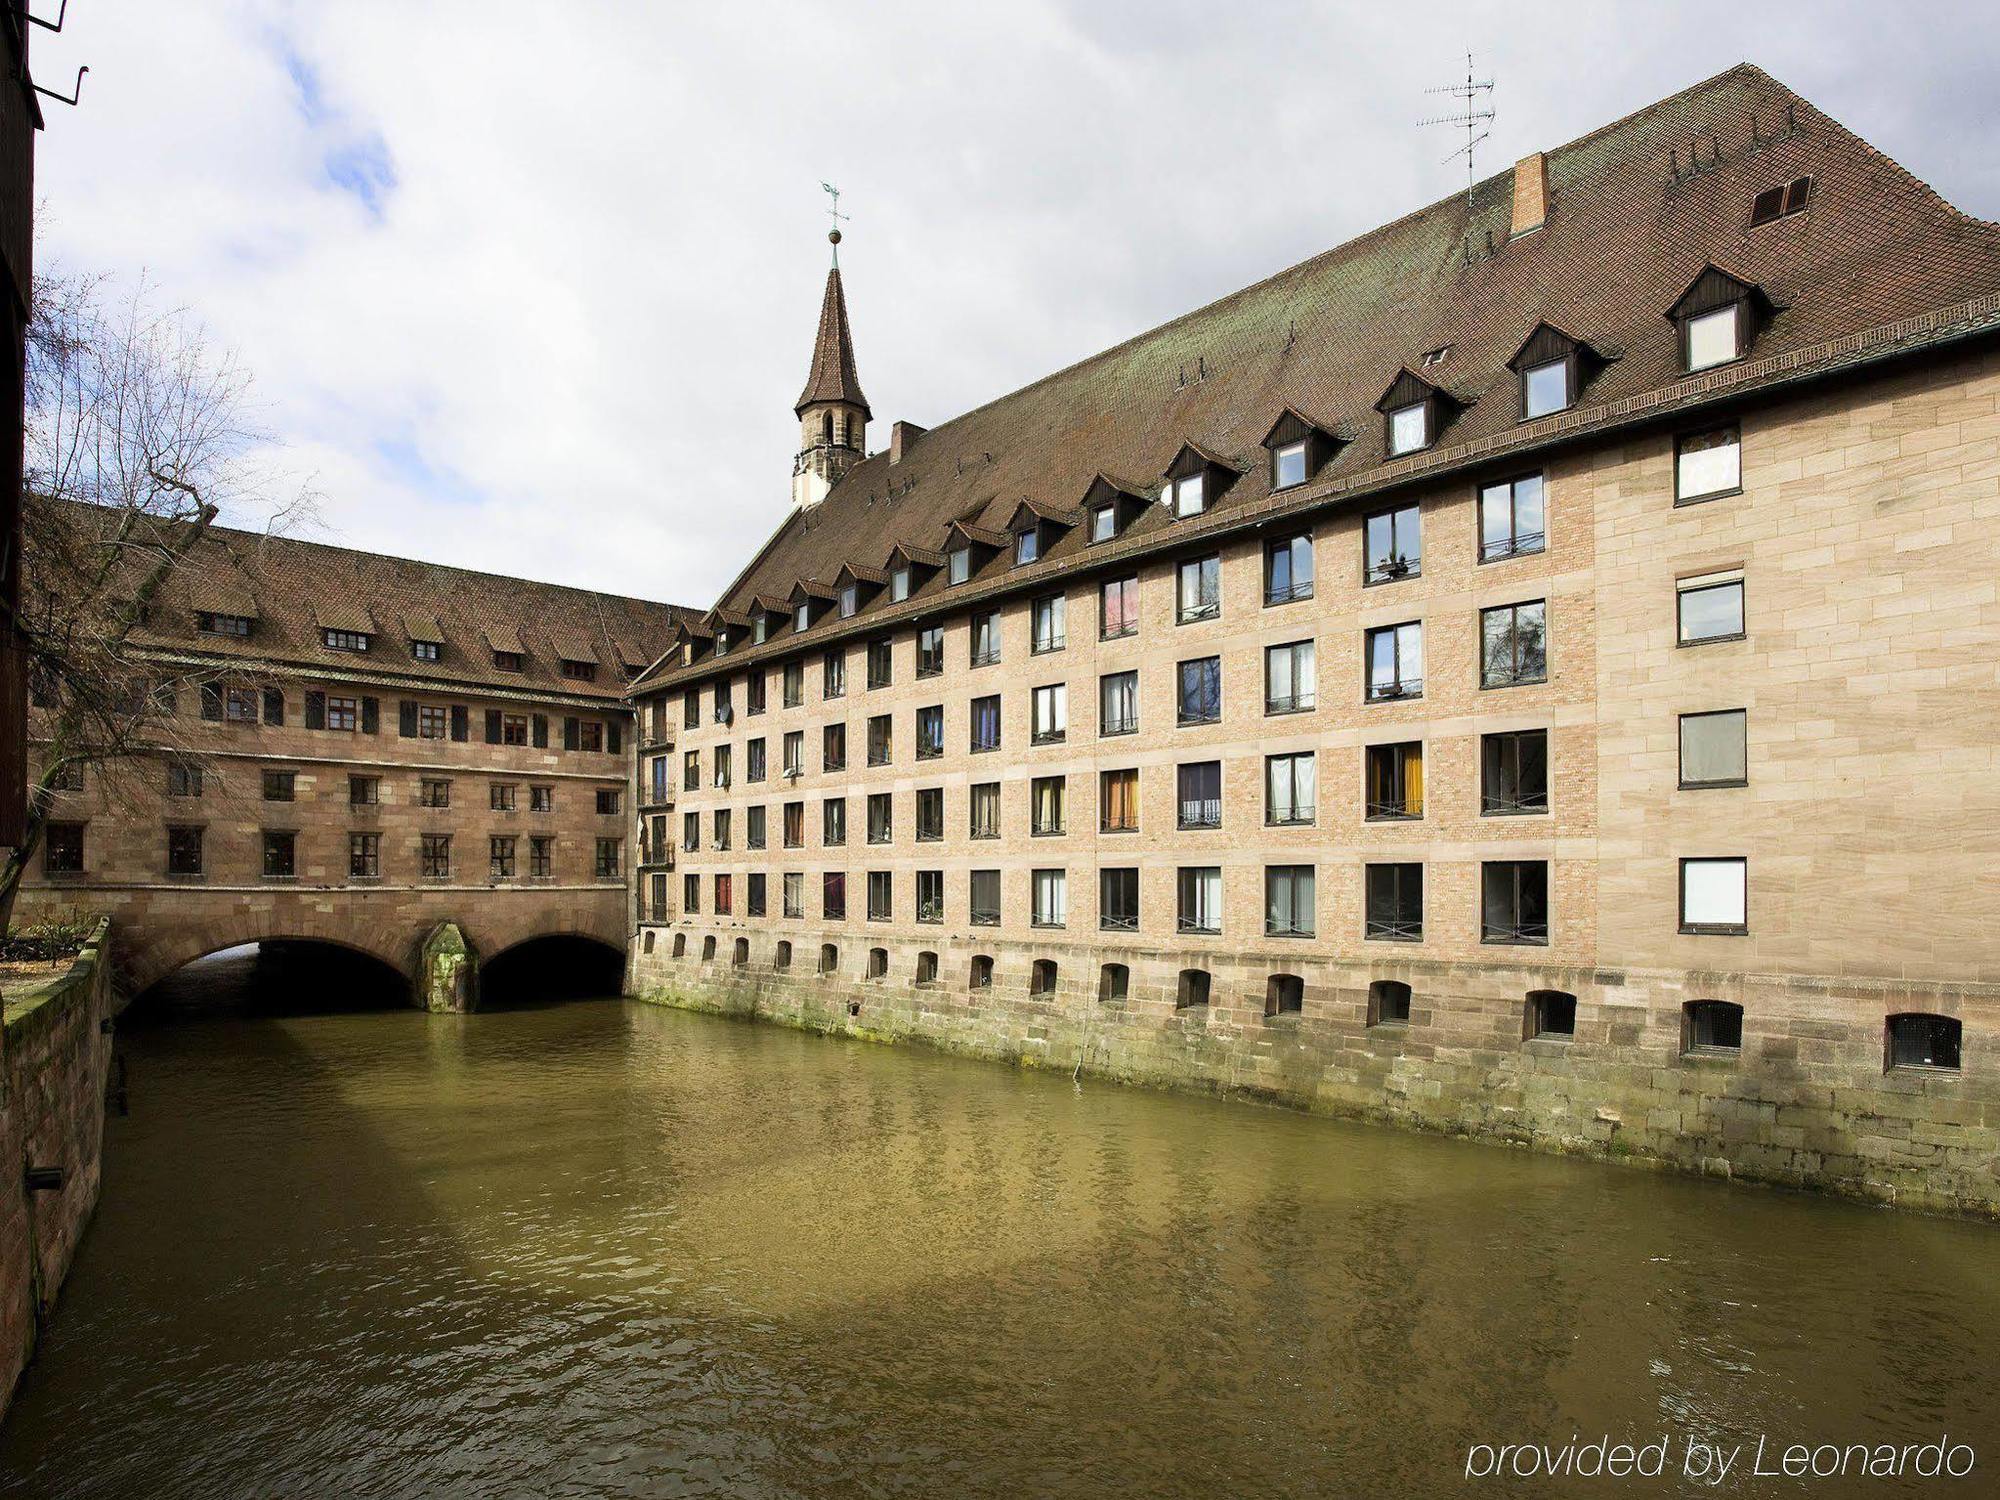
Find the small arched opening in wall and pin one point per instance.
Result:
(278, 976)
(553, 967)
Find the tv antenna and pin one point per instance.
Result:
(1477, 121)
(834, 213)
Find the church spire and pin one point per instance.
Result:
(832, 379)
(833, 414)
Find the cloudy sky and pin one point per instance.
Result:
(538, 300)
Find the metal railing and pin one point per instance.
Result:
(1389, 569)
(1514, 932)
(1198, 715)
(1120, 724)
(1395, 929)
(983, 917)
(1520, 802)
(1206, 813)
(1298, 817)
(1295, 703)
(985, 658)
(1519, 545)
(1118, 922)
(1201, 609)
(1290, 593)
(1046, 643)
(1201, 926)
(1393, 812)
(1404, 687)
(1048, 736)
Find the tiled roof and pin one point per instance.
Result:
(1638, 210)
(294, 589)
(832, 376)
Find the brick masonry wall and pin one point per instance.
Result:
(53, 1066)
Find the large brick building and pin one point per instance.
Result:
(1529, 670)
(360, 749)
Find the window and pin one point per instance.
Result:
(690, 769)
(1114, 983)
(542, 799)
(1713, 338)
(756, 691)
(1198, 593)
(739, 951)
(1388, 1003)
(513, 728)
(1545, 388)
(1042, 979)
(880, 823)
(756, 764)
(433, 793)
(541, 857)
(794, 752)
(1118, 801)
(280, 786)
(590, 735)
(1288, 678)
(980, 975)
(1395, 777)
(1188, 495)
(833, 675)
(1551, 1014)
(1200, 691)
(755, 828)
(833, 896)
(1284, 995)
(1781, 201)
(1289, 909)
(1511, 519)
(1047, 799)
(985, 809)
(986, 723)
(1051, 891)
(754, 896)
(1395, 545)
(1288, 569)
(1395, 662)
(1103, 524)
(833, 748)
(1709, 1027)
(690, 831)
(1714, 748)
(1514, 773)
(344, 640)
(927, 966)
(581, 671)
(239, 706)
(881, 663)
(1513, 645)
(930, 732)
(930, 814)
(1200, 898)
(1394, 900)
(1710, 608)
(1288, 465)
(930, 651)
(802, 617)
(1708, 464)
(343, 713)
(500, 857)
(62, 849)
(1290, 788)
(1514, 902)
(1118, 609)
(1199, 788)
(722, 775)
(433, 721)
(1046, 620)
(850, 601)
(280, 854)
(879, 740)
(1050, 714)
(1027, 546)
(184, 850)
(983, 908)
(792, 684)
(829, 958)
(881, 895)
(184, 778)
(500, 796)
(794, 894)
(1192, 988)
(1118, 703)
(986, 638)
(957, 566)
(690, 708)
(1923, 1041)
(930, 896)
(899, 584)
(1713, 895)
(832, 823)
(1118, 900)
(795, 825)
(1409, 428)
(213, 624)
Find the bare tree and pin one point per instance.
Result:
(137, 438)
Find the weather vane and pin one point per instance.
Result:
(1475, 121)
(834, 213)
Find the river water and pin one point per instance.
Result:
(604, 1249)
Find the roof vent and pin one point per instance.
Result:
(901, 436)
(1531, 193)
(1781, 202)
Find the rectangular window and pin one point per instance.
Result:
(833, 675)
(1051, 890)
(794, 893)
(1048, 630)
(1288, 465)
(755, 692)
(1027, 546)
(1118, 900)
(590, 735)
(691, 769)
(364, 791)
(211, 624)
(930, 814)
(1200, 700)
(433, 793)
(1710, 608)
(833, 748)
(239, 706)
(344, 640)
(957, 566)
(881, 663)
(930, 895)
(1103, 524)
(1714, 895)
(1715, 748)
(1708, 464)
(899, 584)
(691, 708)
(985, 810)
(793, 683)
(1288, 569)
(513, 727)
(1395, 662)
(1289, 909)
(850, 601)
(62, 849)
(607, 863)
(795, 825)
(1199, 788)
(880, 818)
(500, 857)
(1048, 798)
(754, 895)
(879, 743)
(582, 671)
(1712, 338)
(1394, 540)
(1118, 801)
(1511, 523)
(983, 904)
(1200, 898)
(1050, 714)
(280, 786)
(280, 854)
(756, 765)
(832, 823)
(795, 753)
(725, 895)
(1198, 592)
(1118, 703)
(541, 856)
(930, 651)
(364, 856)
(986, 723)
(1513, 645)
(1118, 609)
(183, 778)
(184, 850)
(690, 894)
(930, 732)
(500, 796)
(1409, 428)
(1189, 495)
(433, 721)
(756, 831)
(542, 799)
(1394, 898)
(343, 713)
(833, 896)
(719, 823)
(1289, 678)
(1395, 777)
(690, 831)
(1545, 388)
(1290, 788)
(1514, 773)
(986, 638)
(1514, 902)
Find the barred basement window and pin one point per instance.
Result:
(1711, 1026)
(1042, 980)
(1192, 989)
(878, 963)
(1284, 995)
(1924, 1041)
(1114, 982)
(1551, 1014)
(1388, 1003)
(927, 969)
(980, 976)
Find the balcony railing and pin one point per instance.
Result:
(1503, 803)
(1393, 812)
(1199, 926)
(1521, 544)
(987, 657)
(1389, 569)
(1112, 921)
(1295, 703)
(984, 917)
(1405, 687)
(1201, 609)
(1289, 593)
(1048, 736)
(1395, 929)
(1043, 644)
(1536, 933)
(1117, 631)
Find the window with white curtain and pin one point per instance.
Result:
(1051, 889)
(1714, 894)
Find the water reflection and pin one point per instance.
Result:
(599, 1249)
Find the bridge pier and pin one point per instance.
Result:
(447, 980)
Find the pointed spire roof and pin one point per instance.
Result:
(833, 377)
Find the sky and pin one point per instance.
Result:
(531, 288)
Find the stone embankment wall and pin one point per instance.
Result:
(53, 1065)
(1806, 1101)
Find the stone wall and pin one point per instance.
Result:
(1806, 1101)
(53, 1065)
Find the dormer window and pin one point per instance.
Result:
(1554, 368)
(1712, 339)
(510, 661)
(1027, 546)
(958, 565)
(579, 671)
(1186, 496)
(722, 641)
(760, 629)
(423, 650)
(899, 584)
(218, 624)
(344, 640)
(1545, 388)
(1718, 317)
(1414, 413)
(1409, 428)
(1299, 448)
(1103, 523)
(802, 617)
(850, 601)
(1288, 465)
(1195, 480)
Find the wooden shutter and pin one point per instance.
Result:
(572, 733)
(211, 700)
(461, 722)
(613, 736)
(406, 718)
(492, 726)
(274, 705)
(315, 709)
(540, 727)
(371, 715)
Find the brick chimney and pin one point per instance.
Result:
(1531, 193)
(902, 437)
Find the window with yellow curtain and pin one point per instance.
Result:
(1120, 802)
(1396, 780)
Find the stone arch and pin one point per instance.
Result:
(145, 958)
